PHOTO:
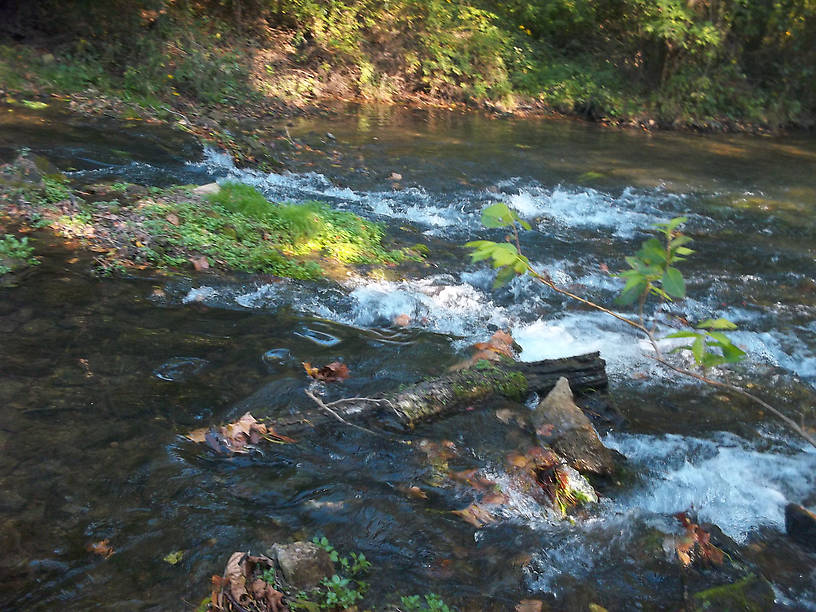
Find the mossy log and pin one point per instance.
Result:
(458, 391)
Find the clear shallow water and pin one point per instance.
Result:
(102, 378)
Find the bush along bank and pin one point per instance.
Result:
(184, 228)
(663, 63)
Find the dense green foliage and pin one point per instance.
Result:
(15, 252)
(682, 62)
(249, 233)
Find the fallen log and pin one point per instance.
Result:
(458, 391)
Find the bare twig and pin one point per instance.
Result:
(551, 284)
(325, 407)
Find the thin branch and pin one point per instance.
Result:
(551, 284)
(664, 362)
(322, 405)
(730, 387)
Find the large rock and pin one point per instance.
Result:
(303, 564)
(562, 426)
(800, 523)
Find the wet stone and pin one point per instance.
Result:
(318, 337)
(304, 564)
(800, 523)
(277, 358)
(180, 368)
(566, 429)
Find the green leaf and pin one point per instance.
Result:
(683, 251)
(719, 337)
(520, 267)
(710, 360)
(504, 255)
(652, 251)
(632, 291)
(174, 557)
(716, 324)
(523, 223)
(679, 241)
(672, 224)
(682, 334)
(480, 255)
(504, 276)
(673, 282)
(497, 215)
(698, 349)
(732, 353)
(478, 244)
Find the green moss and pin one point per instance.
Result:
(751, 594)
(246, 232)
(485, 378)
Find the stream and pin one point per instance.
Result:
(101, 378)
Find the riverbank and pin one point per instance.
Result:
(229, 228)
(205, 69)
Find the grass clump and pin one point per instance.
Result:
(243, 231)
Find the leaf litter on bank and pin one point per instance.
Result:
(238, 437)
(242, 586)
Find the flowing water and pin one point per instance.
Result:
(102, 378)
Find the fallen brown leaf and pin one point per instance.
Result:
(501, 344)
(101, 548)
(173, 219)
(696, 544)
(234, 437)
(529, 605)
(333, 372)
(476, 515)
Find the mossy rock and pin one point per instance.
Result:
(750, 594)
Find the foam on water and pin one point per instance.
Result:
(453, 212)
(724, 479)
(466, 307)
(633, 210)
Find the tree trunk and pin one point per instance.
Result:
(458, 391)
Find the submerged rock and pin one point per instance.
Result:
(304, 564)
(566, 429)
(800, 523)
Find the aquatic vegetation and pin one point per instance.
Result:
(244, 231)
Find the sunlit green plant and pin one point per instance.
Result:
(431, 602)
(13, 250)
(652, 273)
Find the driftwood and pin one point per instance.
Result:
(458, 391)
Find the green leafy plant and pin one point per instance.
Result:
(431, 602)
(341, 592)
(15, 251)
(651, 274)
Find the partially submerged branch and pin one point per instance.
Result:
(454, 392)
